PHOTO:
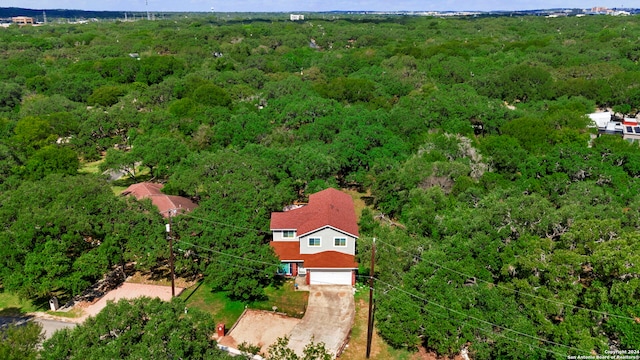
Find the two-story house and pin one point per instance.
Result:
(318, 240)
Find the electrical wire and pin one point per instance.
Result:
(226, 254)
(225, 224)
(488, 331)
(424, 299)
(520, 292)
(477, 319)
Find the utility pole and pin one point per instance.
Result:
(170, 238)
(371, 274)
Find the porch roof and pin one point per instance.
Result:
(289, 251)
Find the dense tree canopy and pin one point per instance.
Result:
(143, 328)
(506, 227)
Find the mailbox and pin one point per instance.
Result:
(53, 304)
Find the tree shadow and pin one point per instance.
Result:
(13, 315)
(193, 291)
(278, 281)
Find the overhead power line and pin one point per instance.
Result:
(478, 319)
(520, 292)
(488, 331)
(227, 254)
(225, 224)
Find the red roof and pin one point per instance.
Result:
(290, 251)
(328, 207)
(163, 202)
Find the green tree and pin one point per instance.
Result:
(140, 328)
(525, 83)
(106, 95)
(10, 95)
(54, 229)
(20, 342)
(279, 350)
(34, 133)
(51, 160)
(211, 95)
(159, 154)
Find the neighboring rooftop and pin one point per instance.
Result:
(163, 202)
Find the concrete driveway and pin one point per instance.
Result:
(329, 318)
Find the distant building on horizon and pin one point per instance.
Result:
(22, 20)
(296, 17)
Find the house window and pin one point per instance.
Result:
(340, 242)
(314, 241)
(288, 234)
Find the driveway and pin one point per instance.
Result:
(330, 315)
(127, 291)
(260, 328)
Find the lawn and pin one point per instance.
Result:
(285, 298)
(91, 167)
(217, 304)
(13, 305)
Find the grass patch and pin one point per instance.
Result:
(359, 200)
(223, 309)
(285, 298)
(71, 314)
(358, 342)
(159, 275)
(217, 304)
(91, 167)
(13, 305)
(117, 190)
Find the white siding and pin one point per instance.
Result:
(278, 236)
(327, 236)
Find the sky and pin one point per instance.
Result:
(312, 5)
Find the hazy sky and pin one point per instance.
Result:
(312, 5)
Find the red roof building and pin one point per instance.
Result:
(318, 240)
(164, 203)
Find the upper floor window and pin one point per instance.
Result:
(339, 242)
(314, 241)
(288, 234)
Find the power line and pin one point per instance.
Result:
(428, 301)
(225, 224)
(440, 266)
(243, 266)
(509, 289)
(478, 319)
(223, 262)
(483, 329)
(226, 254)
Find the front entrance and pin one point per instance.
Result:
(284, 269)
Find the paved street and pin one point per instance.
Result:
(48, 326)
(51, 326)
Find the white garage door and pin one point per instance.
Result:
(335, 277)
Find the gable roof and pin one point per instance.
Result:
(163, 202)
(329, 207)
(289, 251)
